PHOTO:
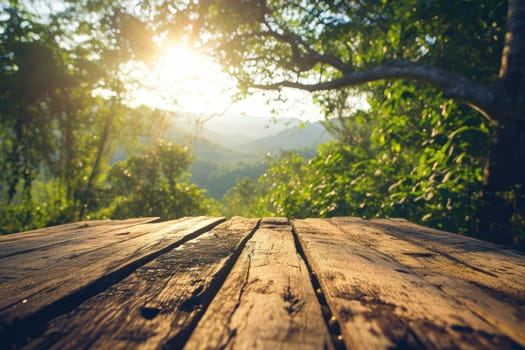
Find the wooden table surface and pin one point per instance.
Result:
(211, 283)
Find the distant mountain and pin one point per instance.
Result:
(295, 138)
(228, 148)
(218, 178)
(233, 140)
(205, 144)
(233, 129)
(234, 125)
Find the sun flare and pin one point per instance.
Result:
(181, 79)
(180, 62)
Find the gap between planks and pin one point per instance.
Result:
(386, 285)
(489, 283)
(158, 304)
(267, 300)
(381, 303)
(28, 302)
(45, 238)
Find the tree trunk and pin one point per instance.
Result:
(68, 149)
(503, 199)
(102, 148)
(503, 202)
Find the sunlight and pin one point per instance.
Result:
(181, 62)
(180, 80)
(184, 81)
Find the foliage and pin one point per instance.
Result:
(452, 50)
(419, 151)
(57, 132)
(219, 176)
(285, 193)
(153, 185)
(241, 199)
(25, 217)
(382, 166)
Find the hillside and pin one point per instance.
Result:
(232, 147)
(295, 138)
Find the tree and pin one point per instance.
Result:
(327, 45)
(56, 135)
(45, 98)
(283, 187)
(25, 89)
(241, 199)
(153, 184)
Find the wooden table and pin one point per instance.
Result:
(208, 283)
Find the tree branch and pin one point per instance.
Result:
(453, 85)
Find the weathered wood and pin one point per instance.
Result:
(381, 303)
(158, 304)
(267, 301)
(52, 231)
(38, 293)
(456, 273)
(27, 242)
(500, 269)
(133, 283)
(52, 256)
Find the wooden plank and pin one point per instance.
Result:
(465, 283)
(500, 269)
(267, 301)
(58, 229)
(23, 265)
(47, 292)
(381, 303)
(26, 242)
(158, 304)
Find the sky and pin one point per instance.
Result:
(184, 81)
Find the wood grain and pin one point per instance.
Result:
(381, 303)
(499, 268)
(39, 292)
(52, 256)
(267, 301)
(190, 283)
(158, 304)
(466, 283)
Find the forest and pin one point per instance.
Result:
(441, 142)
